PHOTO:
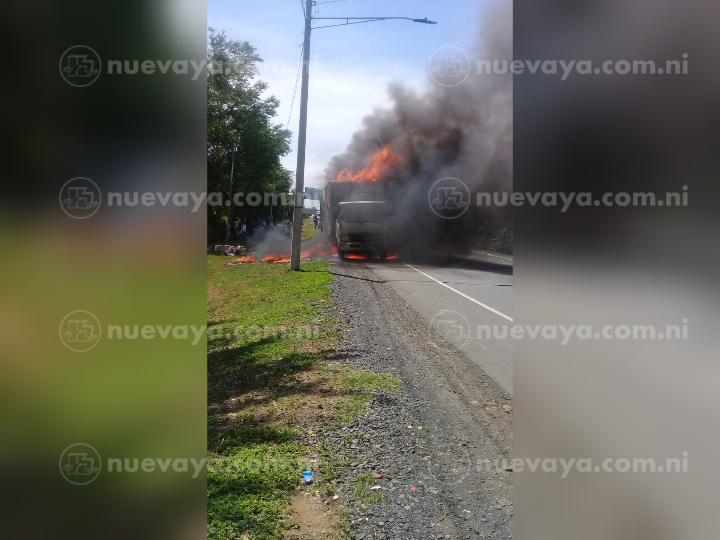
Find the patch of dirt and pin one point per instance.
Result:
(311, 518)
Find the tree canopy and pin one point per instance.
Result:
(237, 113)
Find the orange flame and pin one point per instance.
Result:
(246, 260)
(371, 173)
(320, 250)
(357, 256)
(276, 259)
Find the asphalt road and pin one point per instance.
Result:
(440, 441)
(471, 300)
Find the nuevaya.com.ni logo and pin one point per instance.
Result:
(449, 66)
(80, 331)
(80, 66)
(449, 198)
(80, 464)
(80, 198)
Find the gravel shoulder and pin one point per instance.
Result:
(442, 442)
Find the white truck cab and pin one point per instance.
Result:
(362, 227)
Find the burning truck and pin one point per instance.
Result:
(355, 208)
(356, 218)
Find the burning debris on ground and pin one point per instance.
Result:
(318, 251)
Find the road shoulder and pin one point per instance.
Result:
(441, 442)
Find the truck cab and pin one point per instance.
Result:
(362, 227)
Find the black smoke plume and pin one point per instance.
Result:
(463, 131)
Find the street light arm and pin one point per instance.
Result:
(361, 20)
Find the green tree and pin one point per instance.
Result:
(238, 113)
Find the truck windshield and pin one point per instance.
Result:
(362, 213)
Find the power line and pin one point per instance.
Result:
(297, 78)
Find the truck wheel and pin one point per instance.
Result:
(383, 255)
(341, 255)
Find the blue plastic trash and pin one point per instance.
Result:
(307, 475)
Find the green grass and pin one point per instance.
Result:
(255, 467)
(356, 386)
(328, 469)
(251, 471)
(365, 380)
(308, 229)
(254, 304)
(351, 406)
(362, 484)
(257, 380)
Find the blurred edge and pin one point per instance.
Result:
(633, 399)
(128, 265)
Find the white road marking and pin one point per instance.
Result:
(460, 293)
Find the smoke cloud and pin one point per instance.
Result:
(463, 131)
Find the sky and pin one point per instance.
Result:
(351, 66)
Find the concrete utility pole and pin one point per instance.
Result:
(302, 134)
(229, 203)
(302, 138)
